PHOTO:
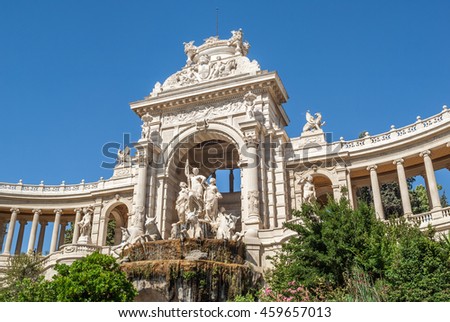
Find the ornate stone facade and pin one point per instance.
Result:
(222, 112)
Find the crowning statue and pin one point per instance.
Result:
(123, 156)
(313, 123)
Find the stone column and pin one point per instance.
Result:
(141, 186)
(10, 235)
(41, 237)
(376, 192)
(61, 234)
(56, 225)
(76, 228)
(34, 225)
(2, 232)
(253, 220)
(19, 243)
(404, 192)
(435, 202)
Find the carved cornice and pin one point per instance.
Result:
(201, 94)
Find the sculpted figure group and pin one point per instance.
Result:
(198, 212)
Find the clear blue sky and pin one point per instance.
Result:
(68, 69)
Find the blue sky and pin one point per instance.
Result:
(68, 69)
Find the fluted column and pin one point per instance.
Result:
(10, 235)
(404, 193)
(435, 203)
(56, 225)
(34, 225)
(41, 236)
(61, 234)
(19, 243)
(376, 192)
(76, 228)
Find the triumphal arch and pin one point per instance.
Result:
(221, 113)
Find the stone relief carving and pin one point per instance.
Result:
(228, 57)
(145, 133)
(313, 124)
(253, 202)
(249, 102)
(203, 112)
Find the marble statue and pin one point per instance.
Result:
(309, 190)
(227, 227)
(182, 202)
(123, 156)
(85, 226)
(212, 196)
(197, 185)
(190, 50)
(313, 123)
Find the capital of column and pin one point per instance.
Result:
(15, 210)
(37, 211)
(372, 167)
(76, 210)
(398, 161)
(425, 153)
(251, 141)
(58, 211)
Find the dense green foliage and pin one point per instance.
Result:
(94, 278)
(347, 255)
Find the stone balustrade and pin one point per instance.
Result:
(63, 188)
(403, 132)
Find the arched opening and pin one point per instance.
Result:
(215, 155)
(117, 218)
(324, 190)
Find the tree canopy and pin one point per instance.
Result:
(94, 278)
(345, 254)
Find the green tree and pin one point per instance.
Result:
(22, 270)
(344, 254)
(94, 278)
(111, 232)
(326, 247)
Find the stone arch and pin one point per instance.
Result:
(117, 211)
(179, 150)
(218, 128)
(324, 181)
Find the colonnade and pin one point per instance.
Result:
(430, 182)
(8, 228)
